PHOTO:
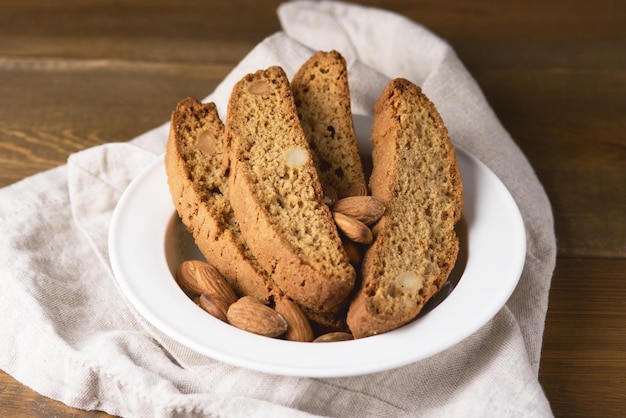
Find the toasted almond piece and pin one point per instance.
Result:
(198, 277)
(353, 229)
(299, 328)
(296, 156)
(410, 281)
(353, 251)
(330, 195)
(214, 305)
(207, 142)
(376, 229)
(259, 87)
(250, 315)
(366, 209)
(334, 336)
(358, 189)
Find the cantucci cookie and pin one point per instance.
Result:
(276, 195)
(322, 97)
(416, 176)
(193, 163)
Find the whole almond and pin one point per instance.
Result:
(299, 328)
(333, 337)
(198, 277)
(250, 315)
(214, 305)
(366, 209)
(353, 229)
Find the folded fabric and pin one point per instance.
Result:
(68, 333)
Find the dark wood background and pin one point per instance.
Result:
(74, 74)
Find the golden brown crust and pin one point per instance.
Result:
(277, 200)
(322, 96)
(193, 165)
(416, 176)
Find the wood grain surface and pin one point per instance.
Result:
(74, 74)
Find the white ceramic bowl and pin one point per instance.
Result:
(147, 242)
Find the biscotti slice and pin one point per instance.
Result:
(416, 176)
(193, 163)
(276, 195)
(322, 96)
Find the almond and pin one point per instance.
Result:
(330, 195)
(207, 142)
(410, 281)
(353, 229)
(296, 156)
(299, 328)
(250, 315)
(376, 229)
(333, 337)
(366, 209)
(259, 87)
(353, 251)
(214, 305)
(358, 189)
(198, 277)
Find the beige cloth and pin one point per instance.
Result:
(68, 333)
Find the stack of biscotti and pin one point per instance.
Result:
(198, 180)
(252, 194)
(416, 176)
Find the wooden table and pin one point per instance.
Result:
(75, 74)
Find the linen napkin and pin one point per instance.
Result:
(68, 333)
